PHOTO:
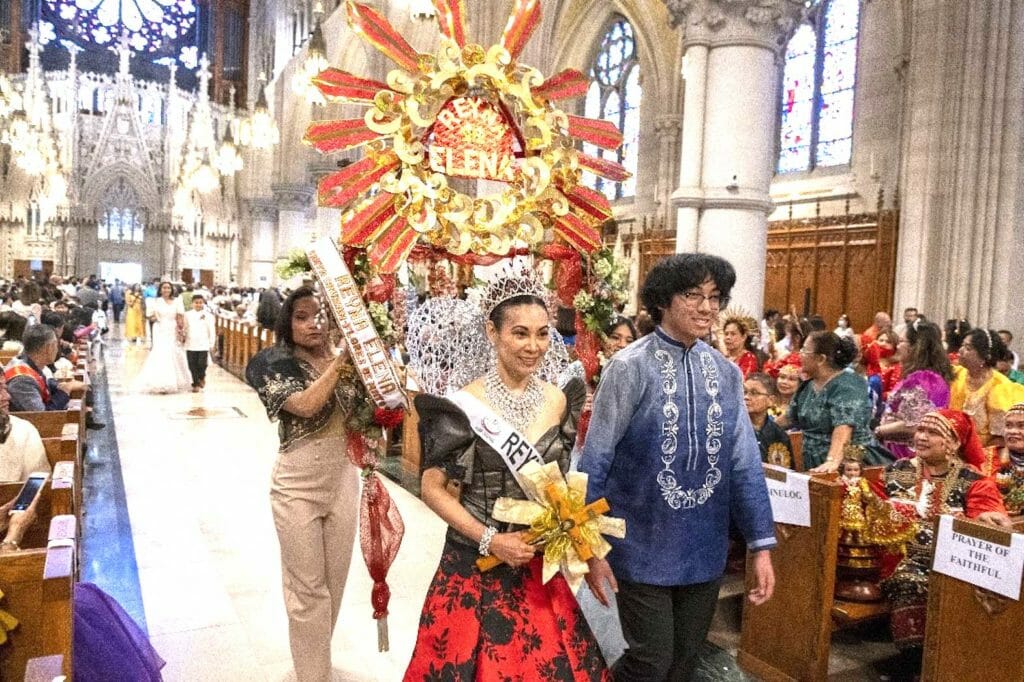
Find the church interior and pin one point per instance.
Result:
(847, 157)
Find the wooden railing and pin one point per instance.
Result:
(237, 342)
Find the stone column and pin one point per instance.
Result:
(668, 129)
(962, 207)
(732, 66)
(257, 248)
(295, 213)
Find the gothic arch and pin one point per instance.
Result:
(97, 183)
(578, 32)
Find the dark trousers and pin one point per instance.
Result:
(197, 365)
(664, 628)
(118, 307)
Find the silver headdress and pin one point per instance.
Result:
(448, 347)
(512, 281)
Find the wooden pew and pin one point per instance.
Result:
(38, 584)
(54, 423)
(788, 638)
(411, 439)
(62, 448)
(56, 499)
(972, 633)
(796, 443)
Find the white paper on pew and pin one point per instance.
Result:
(978, 561)
(790, 497)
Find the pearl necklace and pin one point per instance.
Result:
(518, 410)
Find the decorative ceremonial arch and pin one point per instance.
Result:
(466, 112)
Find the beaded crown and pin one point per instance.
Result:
(857, 453)
(513, 280)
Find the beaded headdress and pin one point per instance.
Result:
(448, 347)
(1018, 407)
(855, 453)
(513, 280)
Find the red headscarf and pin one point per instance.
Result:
(791, 360)
(960, 427)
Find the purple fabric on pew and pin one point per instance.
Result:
(109, 646)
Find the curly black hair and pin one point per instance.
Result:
(680, 273)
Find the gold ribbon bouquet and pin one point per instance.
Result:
(570, 531)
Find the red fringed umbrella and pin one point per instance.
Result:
(380, 531)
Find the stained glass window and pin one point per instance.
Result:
(150, 25)
(122, 221)
(818, 80)
(122, 225)
(614, 95)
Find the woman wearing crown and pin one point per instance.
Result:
(504, 623)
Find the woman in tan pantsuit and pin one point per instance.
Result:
(315, 488)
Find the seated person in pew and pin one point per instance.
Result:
(1006, 463)
(62, 368)
(108, 644)
(30, 390)
(942, 478)
(759, 393)
(14, 526)
(21, 448)
(12, 328)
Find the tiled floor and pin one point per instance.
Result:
(205, 543)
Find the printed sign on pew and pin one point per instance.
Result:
(991, 558)
(790, 495)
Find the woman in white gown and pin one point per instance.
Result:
(165, 370)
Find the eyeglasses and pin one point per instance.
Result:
(695, 299)
(754, 394)
(806, 353)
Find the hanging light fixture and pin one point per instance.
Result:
(314, 63)
(204, 178)
(260, 131)
(229, 161)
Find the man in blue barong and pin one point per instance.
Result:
(673, 451)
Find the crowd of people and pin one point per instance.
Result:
(691, 398)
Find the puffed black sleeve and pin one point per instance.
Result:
(276, 376)
(575, 396)
(445, 435)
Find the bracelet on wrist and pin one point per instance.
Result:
(485, 540)
(10, 543)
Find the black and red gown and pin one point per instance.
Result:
(504, 624)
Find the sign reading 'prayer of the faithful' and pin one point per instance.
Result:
(987, 557)
(790, 495)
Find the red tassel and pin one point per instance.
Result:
(586, 347)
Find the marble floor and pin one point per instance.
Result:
(188, 546)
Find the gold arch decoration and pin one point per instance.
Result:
(463, 112)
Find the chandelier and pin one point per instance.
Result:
(313, 64)
(27, 127)
(259, 131)
(28, 124)
(205, 161)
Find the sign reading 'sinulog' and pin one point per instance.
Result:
(790, 496)
(987, 557)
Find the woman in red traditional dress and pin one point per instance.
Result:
(735, 343)
(1006, 464)
(504, 623)
(943, 478)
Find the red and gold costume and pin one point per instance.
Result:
(917, 495)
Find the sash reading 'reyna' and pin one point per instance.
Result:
(515, 449)
(369, 354)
